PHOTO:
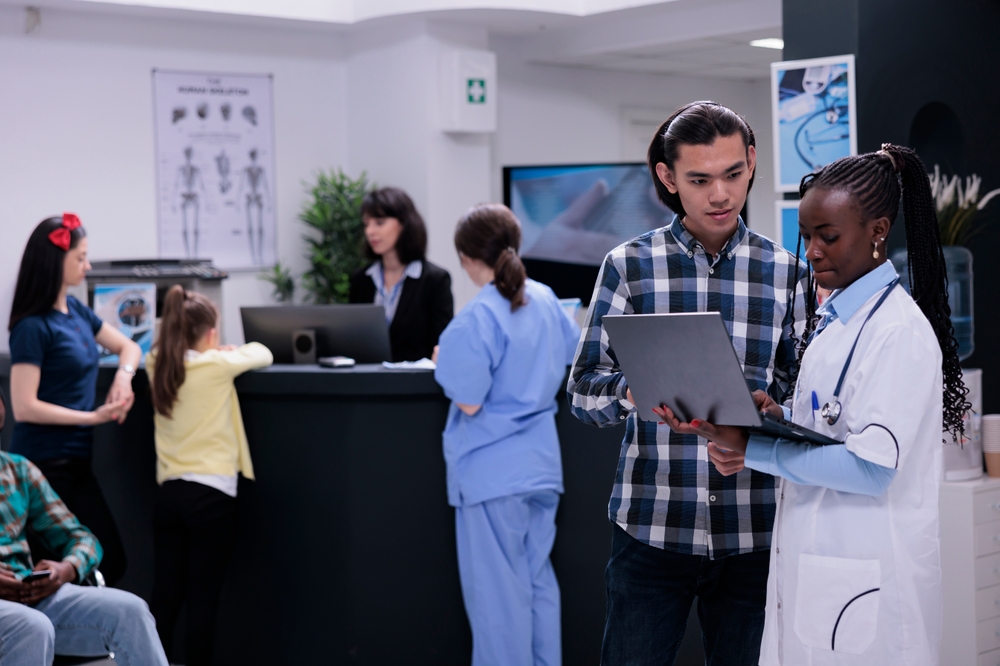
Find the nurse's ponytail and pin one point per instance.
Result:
(876, 182)
(187, 316)
(491, 233)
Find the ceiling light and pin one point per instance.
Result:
(769, 43)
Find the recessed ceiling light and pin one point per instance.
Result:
(769, 43)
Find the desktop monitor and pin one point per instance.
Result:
(357, 331)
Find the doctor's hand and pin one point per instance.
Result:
(732, 438)
(726, 462)
(764, 403)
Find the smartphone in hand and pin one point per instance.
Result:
(37, 575)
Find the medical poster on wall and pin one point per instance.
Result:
(130, 308)
(813, 116)
(215, 168)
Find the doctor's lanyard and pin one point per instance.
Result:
(831, 411)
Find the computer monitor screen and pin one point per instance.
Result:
(357, 331)
(573, 215)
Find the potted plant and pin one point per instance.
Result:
(281, 279)
(336, 248)
(958, 204)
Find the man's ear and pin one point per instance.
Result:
(666, 177)
(751, 159)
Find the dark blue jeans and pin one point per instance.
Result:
(650, 592)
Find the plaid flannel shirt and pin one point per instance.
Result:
(27, 500)
(667, 493)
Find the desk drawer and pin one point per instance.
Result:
(988, 603)
(987, 539)
(986, 507)
(988, 635)
(991, 658)
(987, 571)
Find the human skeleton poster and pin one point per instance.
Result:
(215, 168)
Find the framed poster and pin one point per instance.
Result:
(813, 116)
(215, 168)
(788, 225)
(130, 308)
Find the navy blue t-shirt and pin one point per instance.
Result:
(63, 346)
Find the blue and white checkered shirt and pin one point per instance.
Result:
(667, 493)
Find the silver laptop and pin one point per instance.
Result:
(687, 362)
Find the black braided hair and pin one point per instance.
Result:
(875, 182)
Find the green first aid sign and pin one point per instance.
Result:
(476, 91)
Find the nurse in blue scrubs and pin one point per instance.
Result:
(502, 361)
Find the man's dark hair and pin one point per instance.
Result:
(695, 124)
(394, 202)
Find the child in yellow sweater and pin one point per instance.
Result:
(200, 448)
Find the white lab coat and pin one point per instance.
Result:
(830, 550)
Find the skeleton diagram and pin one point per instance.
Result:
(222, 164)
(186, 189)
(254, 182)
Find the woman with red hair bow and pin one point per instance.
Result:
(53, 376)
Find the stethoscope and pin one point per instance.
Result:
(831, 410)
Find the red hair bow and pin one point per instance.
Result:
(60, 236)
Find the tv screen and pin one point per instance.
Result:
(573, 215)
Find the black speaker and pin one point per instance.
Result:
(304, 346)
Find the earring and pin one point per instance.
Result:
(875, 251)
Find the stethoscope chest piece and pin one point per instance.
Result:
(831, 412)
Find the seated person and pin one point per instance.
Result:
(52, 616)
(416, 293)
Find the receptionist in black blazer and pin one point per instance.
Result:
(416, 293)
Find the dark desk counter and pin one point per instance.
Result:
(346, 551)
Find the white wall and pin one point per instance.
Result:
(394, 135)
(76, 125)
(550, 115)
(76, 128)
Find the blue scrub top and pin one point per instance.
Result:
(514, 365)
(63, 346)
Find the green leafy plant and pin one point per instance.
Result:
(281, 279)
(958, 203)
(337, 248)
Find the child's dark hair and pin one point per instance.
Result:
(875, 182)
(394, 202)
(491, 233)
(41, 275)
(695, 124)
(187, 316)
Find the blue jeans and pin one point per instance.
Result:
(80, 622)
(650, 592)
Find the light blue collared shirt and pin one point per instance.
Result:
(828, 466)
(511, 363)
(390, 299)
(843, 303)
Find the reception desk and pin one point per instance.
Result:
(346, 551)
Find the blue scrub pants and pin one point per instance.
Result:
(510, 590)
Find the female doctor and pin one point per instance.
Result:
(855, 573)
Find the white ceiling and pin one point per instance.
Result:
(705, 38)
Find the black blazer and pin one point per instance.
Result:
(425, 308)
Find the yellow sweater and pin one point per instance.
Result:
(205, 433)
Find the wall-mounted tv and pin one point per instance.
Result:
(573, 215)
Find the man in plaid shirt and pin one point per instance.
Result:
(682, 529)
(51, 616)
